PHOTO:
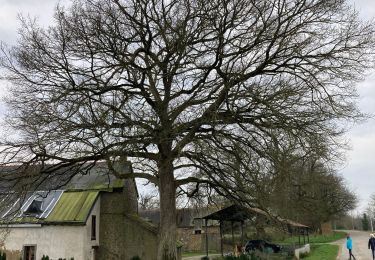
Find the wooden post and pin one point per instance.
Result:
(308, 237)
(221, 238)
(206, 237)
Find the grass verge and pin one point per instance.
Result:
(315, 239)
(323, 252)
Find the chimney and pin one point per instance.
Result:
(130, 191)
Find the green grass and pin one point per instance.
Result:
(314, 239)
(323, 252)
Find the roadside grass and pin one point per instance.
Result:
(317, 239)
(323, 252)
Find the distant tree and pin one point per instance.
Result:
(148, 201)
(309, 191)
(183, 89)
(365, 222)
(371, 203)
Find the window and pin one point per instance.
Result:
(29, 252)
(35, 208)
(93, 227)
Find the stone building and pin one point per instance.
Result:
(191, 230)
(93, 218)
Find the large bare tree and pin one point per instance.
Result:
(183, 89)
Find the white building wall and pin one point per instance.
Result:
(54, 241)
(60, 241)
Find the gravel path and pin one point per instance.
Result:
(360, 249)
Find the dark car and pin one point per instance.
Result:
(262, 246)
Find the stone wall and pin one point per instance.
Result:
(124, 235)
(197, 242)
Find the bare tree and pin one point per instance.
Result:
(183, 88)
(148, 201)
(311, 193)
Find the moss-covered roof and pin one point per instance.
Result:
(73, 206)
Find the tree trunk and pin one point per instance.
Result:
(168, 228)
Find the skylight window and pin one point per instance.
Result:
(35, 208)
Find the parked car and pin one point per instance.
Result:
(262, 246)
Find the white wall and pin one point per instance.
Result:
(60, 241)
(54, 241)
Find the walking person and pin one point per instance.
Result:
(371, 245)
(349, 246)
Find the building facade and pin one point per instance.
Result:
(90, 220)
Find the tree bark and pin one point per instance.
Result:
(168, 228)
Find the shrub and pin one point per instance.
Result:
(3, 256)
(303, 255)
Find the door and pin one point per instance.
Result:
(29, 252)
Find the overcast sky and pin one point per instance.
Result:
(358, 169)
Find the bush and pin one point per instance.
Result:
(251, 256)
(136, 258)
(3, 256)
(303, 255)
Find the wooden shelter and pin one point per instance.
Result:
(239, 214)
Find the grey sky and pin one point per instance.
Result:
(359, 167)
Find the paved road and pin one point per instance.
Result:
(360, 249)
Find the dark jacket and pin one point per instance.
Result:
(371, 243)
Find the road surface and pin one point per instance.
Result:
(360, 249)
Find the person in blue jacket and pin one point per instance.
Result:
(349, 246)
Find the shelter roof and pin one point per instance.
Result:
(241, 213)
(184, 217)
